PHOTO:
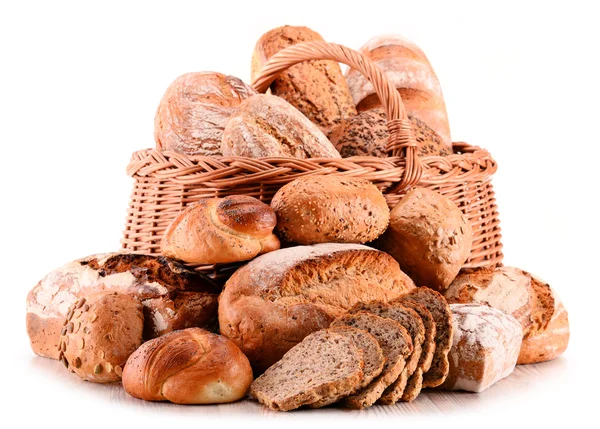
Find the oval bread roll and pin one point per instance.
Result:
(192, 366)
(330, 209)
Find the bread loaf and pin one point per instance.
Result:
(325, 364)
(277, 299)
(509, 289)
(409, 70)
(485, 347)
(173, 296)
(330, 209)
(191, 366)
(396, 344)
(100, 331)
(268, 126)
(316, 88)
(550, 343)
(429, 236)
(221, 230)
(194, 110)
(366, 134)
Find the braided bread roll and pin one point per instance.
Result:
(221, 230)
(191, 366)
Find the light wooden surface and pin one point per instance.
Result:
(522, 383)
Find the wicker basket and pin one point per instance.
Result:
(166, 182)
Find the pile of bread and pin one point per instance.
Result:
(337, 300)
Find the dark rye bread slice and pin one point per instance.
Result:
(372, 356)
(396, 345)
(415, 382)
(440, 310)
(325, 364)
(413, 324)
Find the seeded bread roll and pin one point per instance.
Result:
(510, 289)
(325, 364)
(194, 110)
(330, 209)
(409, 70)
(440, 311)
(268, 126)
(277, 299)
(221, 230)
(191, 366)
(366, 134)
(485, 347)
(396, 344)
(173, 296)
(372, 355)
(550, 343)
(316, 88)
(429, 236)
(100, 332)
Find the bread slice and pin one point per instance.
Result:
(396, 345)
(372, 357)
(440, 310)
(325, 364)
(413, 324)
(415, 381)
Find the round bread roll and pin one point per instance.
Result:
(268, 126)
(429, 237)
(191, 366)
(100, 332)
(366, 134)
(194, 110)
(221, 230)
(330, 209)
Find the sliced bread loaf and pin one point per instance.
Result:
(396, 345)
(372, 357)
(410, 320)
(440, 310)
(324, 365)
(415, 381)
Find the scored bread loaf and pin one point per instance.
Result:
(550, 343)
(330, 209)
(194, 110)
(221, 230)
(316, 88)
(396, 344)
(510, 289)
(435, 303)
(173, 296)
(191, 366)
(485, 347)
(372, 355)
(100, 331)
(277, 299)
(268, 126)
(429, 236)
(366, 134)
(325, 364)
(411, 321)
(409, 70)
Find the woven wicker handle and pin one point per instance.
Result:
(401, 141)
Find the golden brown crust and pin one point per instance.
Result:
(194, 110)
(330, 209)
(316, 88)
(429, 236)
(100, 332)
(268, 126)
(277, 299)
(221, 230)
(191, 366)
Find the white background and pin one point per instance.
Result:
(79, 85)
